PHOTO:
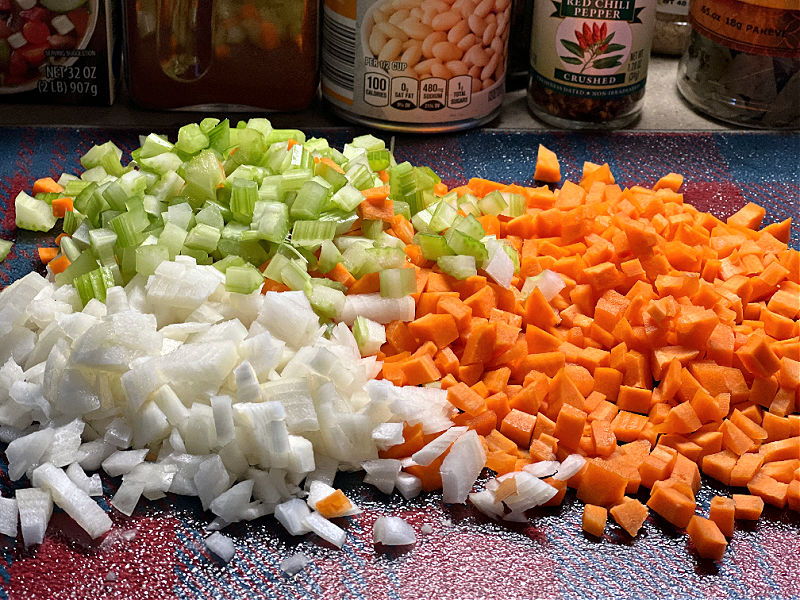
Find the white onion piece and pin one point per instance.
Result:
(8, 516)
(393, 531)
(382, 473)
(292, 565)
(549, 283)
(387, 435)
(569, 467)
(328, 531)
(35, 507)
(378, 309)
(25, 452)
(123, 461)
(292, 515)
(531, 492)
(543, 468)
(75, 502)
(230, 504)
(436, 447)
(485, 502)
(408, 485)
(127, 497)
(461, 467)
(221, 545)
(65, 443)
(499, 267)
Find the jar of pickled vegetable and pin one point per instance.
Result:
(742, 64)
(215, 53)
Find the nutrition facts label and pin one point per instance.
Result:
(408, 93)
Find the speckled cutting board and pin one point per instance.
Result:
(159, 553)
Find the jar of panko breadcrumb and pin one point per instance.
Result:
(415, 65)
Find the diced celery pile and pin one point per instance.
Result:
(258, 203)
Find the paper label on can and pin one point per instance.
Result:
(592, 48)
(749, 27)
(415, 61)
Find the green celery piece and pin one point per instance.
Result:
(94, 156)
(331, 175)
(329, 283)
(72, 219)
(433, 246)
(271, 189)
(284, 135)
(461, 243)
(295, 179)
(361, 177)
(271, 221)
(202, 237)
(74, 187)
(244, 195)
(347, 197)
(327, 302)
(219, 137)
(492, 203)
(161, 163)
(458, 266)
(169, 185)
(115, 196)
(5, 248)
(378, 159)
(516, 204)
(442, 216)
(343, 219)
(243, 280)
(329, 257)
(251, 147)
(372, 229)
(94, 284)
(470, 226)
(83, 264)
(191, 139)
(310, 200)
(203, 174)
(513, 255)
(200, 256)
(69, 248)
(368, 142)
(229, 261)
(312, 233)
(154, 145)
(296, 277)
(210, 215)
(260, 124)
(172, 239)
(33, 214)
(149, 257)
(208, 124)
(397, 282)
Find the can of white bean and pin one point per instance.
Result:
(415, 65)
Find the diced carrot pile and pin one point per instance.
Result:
(672, 351)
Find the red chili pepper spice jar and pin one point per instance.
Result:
(589, 61)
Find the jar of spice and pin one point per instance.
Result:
(742, 64)
(589, 61)
(672, 29)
